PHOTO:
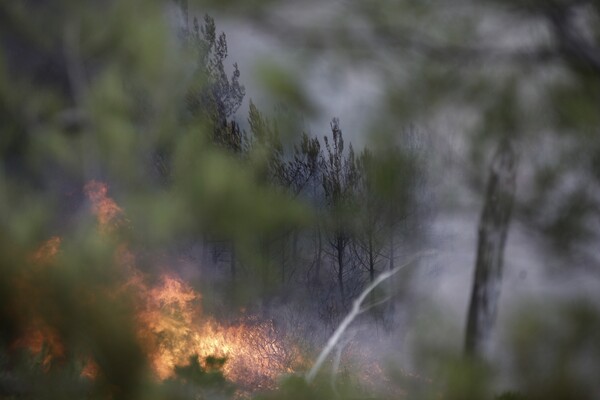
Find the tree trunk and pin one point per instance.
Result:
(319, 256)
(493, 230)
(371, 260)
(340, 260)
(392, 285)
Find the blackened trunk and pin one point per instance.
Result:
(493, 230)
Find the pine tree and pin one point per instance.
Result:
(340, 179)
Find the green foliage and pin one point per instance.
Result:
(510, 396)
(198, 380)
(96, 95)
(282, 84)
(292, 172)
(107, 91)
(556, 352)
(340, 177)
(209, 375)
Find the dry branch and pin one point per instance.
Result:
(354, 312)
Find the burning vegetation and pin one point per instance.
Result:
(172, 329)
(170, 325)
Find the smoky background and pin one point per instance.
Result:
(223, 176)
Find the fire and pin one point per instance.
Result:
(47, 251)
(42, 341)
(171, 326)
(37, 336)
(108, 213)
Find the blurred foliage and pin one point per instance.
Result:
(104, 92)
(125, 92)
(200, 381)
(556, 353)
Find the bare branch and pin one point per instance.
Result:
(354, 312)
(337, 360)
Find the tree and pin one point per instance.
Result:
(292, 172)
(493, 230)
(92, 95)
(372, 228)
(212, 98)
(290, 167)
(98, 90)
(340, 180)
(468, 71)
(215, 96)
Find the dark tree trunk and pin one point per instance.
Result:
(371, 260)
(493, 230)
(319, 256)
(340, 260)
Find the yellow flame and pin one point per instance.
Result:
(172, 328)
(170, 324)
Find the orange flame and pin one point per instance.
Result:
(43, 341)
(39, 338)
(172, 328)
(108, 213)
(170, 323)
